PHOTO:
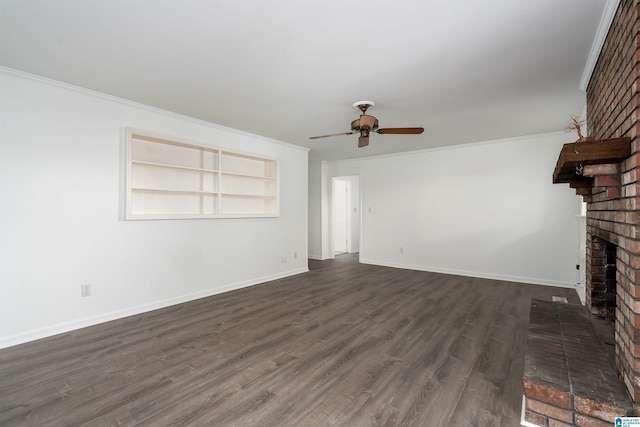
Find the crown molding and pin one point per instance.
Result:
(601, 35)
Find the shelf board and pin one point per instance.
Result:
(243, 156)
(169, 191)
(244, 175)
(169, 166)
(236, 214)
(583, 153)
(244, 195)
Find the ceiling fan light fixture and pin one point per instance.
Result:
(368, 122)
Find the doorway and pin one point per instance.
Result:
(346, 214)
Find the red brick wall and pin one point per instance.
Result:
(613, 205)
(611, 95)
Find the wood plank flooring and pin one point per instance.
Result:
(345, 344)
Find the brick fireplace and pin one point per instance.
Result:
(571, 375)
(613, 199)
(605, 170)
(613, 259)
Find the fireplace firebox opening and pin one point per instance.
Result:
(609, 309)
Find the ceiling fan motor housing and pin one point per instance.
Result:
(364, 122)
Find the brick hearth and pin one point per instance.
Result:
(569, 377)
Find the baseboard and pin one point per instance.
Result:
(476, 274)
(319, 257)
(61, 328)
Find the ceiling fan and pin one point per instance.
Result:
(365, 124)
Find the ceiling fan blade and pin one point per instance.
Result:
(331, 134)
(401, 131)
(363, 141)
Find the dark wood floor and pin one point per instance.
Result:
(345, 344)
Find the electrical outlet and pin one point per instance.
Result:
(401, 250)
(295, 255)
(284, 258)
(85, 290)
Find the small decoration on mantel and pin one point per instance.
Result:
(575, 124)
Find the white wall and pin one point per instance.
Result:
(354, 214)
(60, 191)
(320, 229)
(482, 210)
(315, 209)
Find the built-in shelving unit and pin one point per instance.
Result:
(247, 184)
(172, 179)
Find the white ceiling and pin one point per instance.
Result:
(290, 69)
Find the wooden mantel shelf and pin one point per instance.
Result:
(583, 153)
